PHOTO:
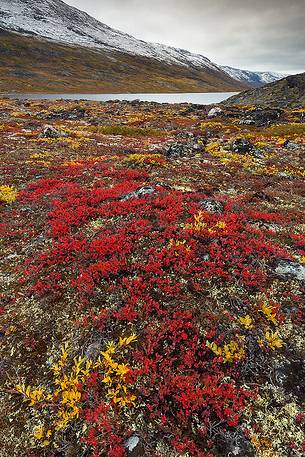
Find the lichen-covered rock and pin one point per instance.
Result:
(142, 192)
(241, 146)
(134, 447)
(212, 206)
(215, 112)
(290, 269)
(51, 132)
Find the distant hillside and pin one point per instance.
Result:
(288, 92)
(253, 78)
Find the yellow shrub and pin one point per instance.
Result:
(8, 194)
(229, 352)
(64, 398)
(145, 159)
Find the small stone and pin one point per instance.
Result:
(51, 132)
(132, 443)
(246, 122)
(212, 206)
(134, 447)
(291, 145)
(235, 444)
(142, 192)
(241, 146)
(177, 150)
(215, 112)
(93, 350)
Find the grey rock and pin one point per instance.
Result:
(76, 113)
(235, 444)
(51, 132)
(132, 442)
(134, 447)
(282, 174)
(291, 145)
(142, 192)
(212, 206)
(290, 375)
(246, 122)
(290, 269)
(187, 149)
(177, 150)
(241, 146)
(215, 112)
(266, 117)
(257, 153)
(93, 350)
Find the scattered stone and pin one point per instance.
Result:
(291, 377)
(290, 269)
(132, 442)
(134, 447)
(262, 117)
(215, 112)
(235, 444)
(246, 122)
(241, 146)
(266, 117)
(74, 114)
(212, 206)
(93, 350)
(291, 145)
(282, 174)
(179, 149)
(142, 192)
(51, 132)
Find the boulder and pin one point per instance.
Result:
(289, 269)
(291, 145)
(212, 206)
(134, 447)
(142, 192)
(241, 146)
(215, 112)
(234, 443)
(51, 132)
(186, 149)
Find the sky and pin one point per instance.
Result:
(256, 35)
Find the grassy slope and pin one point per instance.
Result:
(29, 64)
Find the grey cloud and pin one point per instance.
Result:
(257, 35)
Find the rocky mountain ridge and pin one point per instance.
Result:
(288, 92)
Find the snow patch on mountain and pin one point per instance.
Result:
(256, 78)
(55, 20)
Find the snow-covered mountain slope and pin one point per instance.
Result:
(56, 21)
(258, 78)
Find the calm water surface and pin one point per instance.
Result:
(197, 98)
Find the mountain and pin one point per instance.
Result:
(288, 92)
(35, 64)
(65, 47)
(255, 79)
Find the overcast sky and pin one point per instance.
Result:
(249, 34)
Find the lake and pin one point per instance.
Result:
(197, 98)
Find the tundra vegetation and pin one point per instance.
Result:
(151, 280)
